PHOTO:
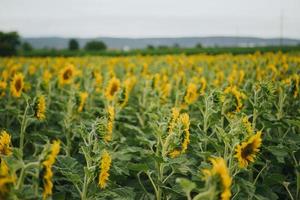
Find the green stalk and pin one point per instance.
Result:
(254, 110)
(23, 128)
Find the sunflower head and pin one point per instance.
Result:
(191, 93)
(5, 141)
(247, 150)
(40, 108)
(47, 76)
(6, 179)
(17, 85)
(219, 173)
(67, 75)
(112, 88)
(104, 166)
(83, 97)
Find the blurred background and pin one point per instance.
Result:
(139, 24)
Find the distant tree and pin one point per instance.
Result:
(95, 46)
(199, 46)
(163, 47)
(176, 45)
(9, 43)
(73, 45)
(151, 47)
(27, 46)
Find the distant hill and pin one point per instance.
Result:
(138, 43)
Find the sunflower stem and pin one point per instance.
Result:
(23, 128)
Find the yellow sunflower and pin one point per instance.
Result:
(112, 88)
(47, 164)
(17, 85)
(41, 108)
(191, 93)
(246, 151)
(5, 142)
(105, 166)
(219, 169)
(83, 97)
(110, 123)
(66, 75)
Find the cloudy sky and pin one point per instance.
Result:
(151, 18)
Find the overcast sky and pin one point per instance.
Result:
(151, 18)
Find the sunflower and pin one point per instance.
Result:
(191, 93)
(185, 120)
(17, 85)
(182, 120)
(47, 164)
(219, 169)
(110, 123)
(165, 90)
(47, 76)
(98, 81)
(174, 119)
(246, 151)
(129, 83)
(105, 166)
(3, 86)
(40, 108)
(5, 179)
(239, 96)
(112, 88)
(83, 96)
(66, 75)
(203, 85)
(5, 141)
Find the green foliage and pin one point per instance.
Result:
(26, 47)
(142, 138)
(9, 43)
(95, 46)
(73, 45)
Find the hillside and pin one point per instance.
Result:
(138, 43)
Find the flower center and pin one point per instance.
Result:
(248, 150)
(18, 84)
(113, 89)
(67, 74)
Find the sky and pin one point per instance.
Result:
(151, 18)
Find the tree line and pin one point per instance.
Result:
(11, 43)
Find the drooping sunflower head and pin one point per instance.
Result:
(185, 120)
(174, 119)
(191, 93)
(67, 74)
(47, 164)
(247, 125)
(247, 150)
(220, 173)
(40, 108)
(3, 86)
(112, 88)
(238, 95)
(17, 85)
(5, 142)
(83, 97)
(47, 76)
(6, 179)
(128, 86)
(104, 166)
(110, 123)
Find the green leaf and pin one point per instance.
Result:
(280, 152)
(187, 185)
(70, 168)
(138, 167)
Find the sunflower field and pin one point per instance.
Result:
(201, 127)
